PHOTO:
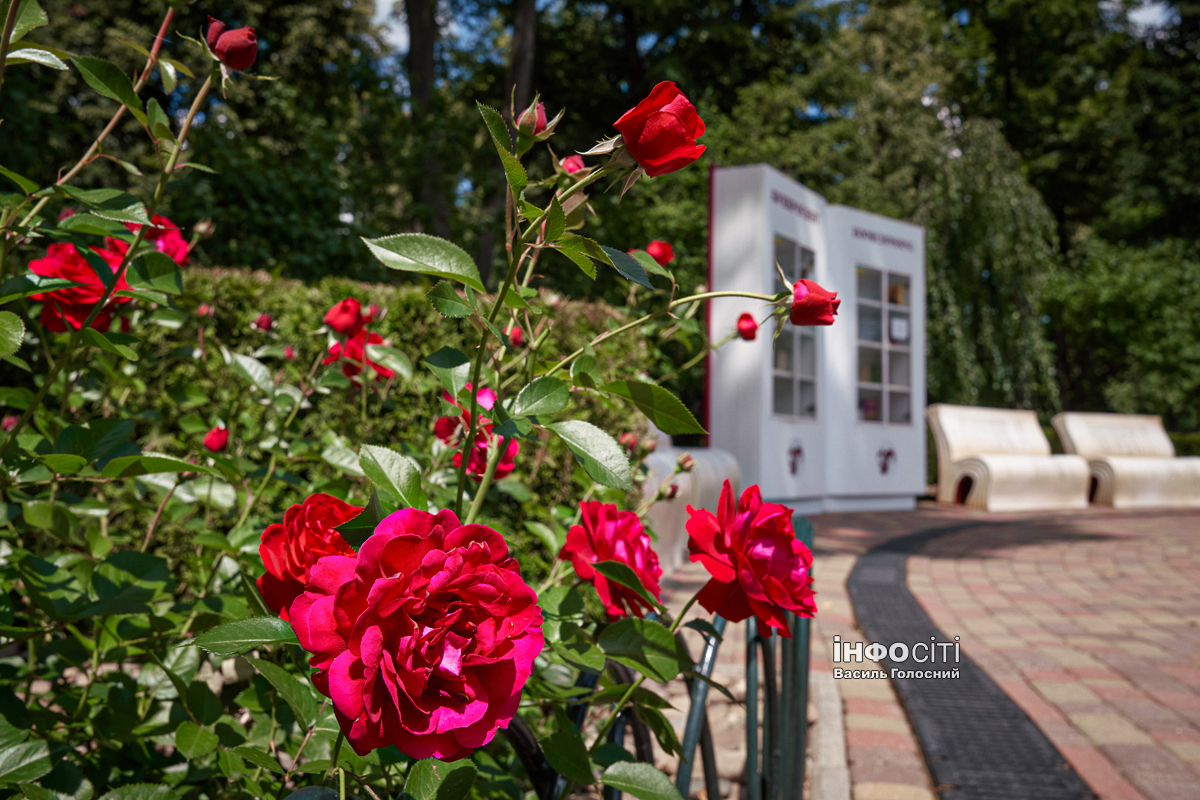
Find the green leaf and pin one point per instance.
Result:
(663, 408)
(643, 781)
(156, 271)
(646, 646)
(151, 463)
(169, 75)
(243, 635)
(582, 655)
(63, 463)
(396, 474)
(556, 221)
(95, 439)
(610, 753)
(194, 165)
(296, 694)
(562, 612)
(12, 333)
(109, 80)
(705, 627)
(513, 171)
(585, 247)
(545, 395)
(579, 260)
(447, 301)
(95, 226)
(111, 343)
(621, 574)
(358, 530)
(204, 705)
(628, 266)
(48, 516)
(53, 589)
(650, 265)
(662, 729)
(567, 753)
(584, 372)
(431, 779)
(108, 204)
(391, 358)
(343, 458)
(193, 741)
(29, 16)
(699, 676)
(31, 284)
(427, 255)
(126, 582)
(139, 791)
(259, 759)
(30, 55)
(599, 454)
(26, 761)
(254, 371)
(451, 367)
(27, 186)
(158, 121)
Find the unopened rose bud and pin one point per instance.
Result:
(651, 445)
(516, 336)
(204, 228)
(533, 119)
(628, 439)
(661, 251)
(263, 323)
(573, 164)
(9, 422)
(236, 49)
(289, 353)
(672, 491)
(217, 439)
(747, 328)
(205, 310)
(685, 462)
(374, 312)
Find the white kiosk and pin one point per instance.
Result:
(823, 419)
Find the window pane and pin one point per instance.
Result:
(870, 284)
(784, 396)
(898, 289)
(870, 365)
(808, 263)
(808, 399)
(899, 331)
(899, 407)
(785, 257)
(783, 352)
(870, 324)
(808, 354)
(870, 405)
(899, 369)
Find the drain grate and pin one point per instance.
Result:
(978, 743)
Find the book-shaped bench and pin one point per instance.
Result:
(1132, 461)
(999, 459)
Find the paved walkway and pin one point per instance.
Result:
(1090, 621)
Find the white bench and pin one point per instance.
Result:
(999, 460)
(1132, 460)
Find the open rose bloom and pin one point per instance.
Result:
(608, 534)
(69, 308)
(425, 639)
(289, 550)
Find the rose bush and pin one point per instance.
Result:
(199, 561)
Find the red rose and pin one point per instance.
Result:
(425, 639)
(263, 322)
(629, 440)
(812, 304)
(609, 534)
(374, 312)
(163, 234)
(747, 328)
(70, 307)
(236, 49)
(289, 353)
(205, 310)
(516, 336)
(661, 251)
(661, 131)
(573, 164)
(345, 317)
(9, 422)
(217, 439)
(449, 429)
(534, 119)
(289, 550)
(758, 566)
(352, 360)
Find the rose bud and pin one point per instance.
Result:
(685, 462)
(533, 118)
(217, 439)
(236, 49)
(661, 251)
(345, 317)
(812, 304)
(573, 164)
(205, 310)
(66, 212)
(289, 353)
(747, 328)
(650, 445)
(661, 131)
(204, 228)
(263, 323)
(516, 336)
(9, 422)
(672, 492)
(374, 312)
(629, 440)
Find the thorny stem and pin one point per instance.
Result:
(486, 483)
(76, 336)
(157, 514)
